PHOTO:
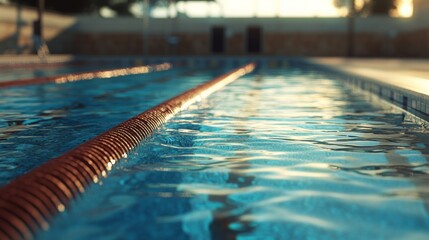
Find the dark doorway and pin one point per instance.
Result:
(254, 39)
(218, 39)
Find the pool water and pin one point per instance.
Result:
(44, 121)
(8, 74)
(280, 154)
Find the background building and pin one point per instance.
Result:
(173, 32)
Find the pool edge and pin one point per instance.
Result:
(409, 99)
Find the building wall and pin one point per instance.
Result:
(367, 44)
(408, 44)
(413, 44)
(374, 36)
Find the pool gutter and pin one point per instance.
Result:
(404, 83)
(28, 203)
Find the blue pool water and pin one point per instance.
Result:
(44, 121)
(8, 74)
(281, 154)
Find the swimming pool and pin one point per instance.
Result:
(66, 115)
(283, 153)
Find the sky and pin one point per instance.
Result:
(266, 8)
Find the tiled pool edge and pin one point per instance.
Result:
(408, 100)
(29, 202)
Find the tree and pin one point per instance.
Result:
(369, 7)
(383, 7)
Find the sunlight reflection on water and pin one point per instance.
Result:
(281, 155)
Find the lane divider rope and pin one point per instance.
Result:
(28, 203)
(73, 77)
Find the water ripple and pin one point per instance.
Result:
(290, 154)
(400, 171)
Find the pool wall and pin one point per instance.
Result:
(406, 92)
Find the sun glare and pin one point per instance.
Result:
(308, 8)
(405, 8)
(268, 8)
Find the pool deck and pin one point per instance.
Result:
(410, 74)
(20, 60)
